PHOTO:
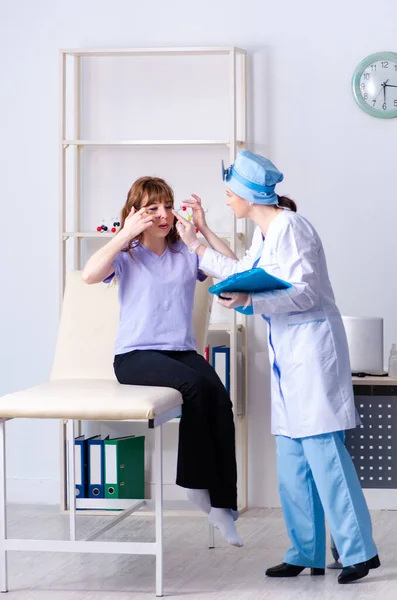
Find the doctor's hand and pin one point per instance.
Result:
(234, 299)
(198, 212)
(186, 229)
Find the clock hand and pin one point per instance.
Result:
(381, 88)
(384, 90)
(390, 85)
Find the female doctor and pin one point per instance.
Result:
(311, 386)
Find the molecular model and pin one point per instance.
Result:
(188, 215)
(109, 226)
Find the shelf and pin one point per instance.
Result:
(107, 503)
(210, 50)
(121, 143)
(374, 380)
(225, 327)
(86, 234)
(220, 326)
(97, 234)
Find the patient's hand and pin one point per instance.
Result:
(136, 223)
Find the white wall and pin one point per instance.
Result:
(339, 165)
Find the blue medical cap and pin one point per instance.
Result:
(253, 177)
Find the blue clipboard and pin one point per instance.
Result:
(252, 281)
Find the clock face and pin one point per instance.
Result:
(375, 85)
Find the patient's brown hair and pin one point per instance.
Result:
(144, 192)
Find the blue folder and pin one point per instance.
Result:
(96, 467)
(80, 464)
(221, 364)
(252, 281)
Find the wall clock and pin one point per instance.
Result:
(374, 85)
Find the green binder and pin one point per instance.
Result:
(125, 467)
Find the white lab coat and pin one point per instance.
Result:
(311, 384)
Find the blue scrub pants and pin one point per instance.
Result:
(316, 476)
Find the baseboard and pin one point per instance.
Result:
(46, 492)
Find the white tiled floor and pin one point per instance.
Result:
(191, 570)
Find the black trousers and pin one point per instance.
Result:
(206, 449)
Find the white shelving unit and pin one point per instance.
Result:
(71, 110)
(149, 143)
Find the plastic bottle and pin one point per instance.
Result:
(393, 361)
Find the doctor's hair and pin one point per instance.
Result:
(146, 191)
(286, 202)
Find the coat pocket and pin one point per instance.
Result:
(310, 337)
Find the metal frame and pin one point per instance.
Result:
(237, 65)
(356, 80)
(90, 545)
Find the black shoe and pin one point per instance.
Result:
(286, 570)
(358, 571)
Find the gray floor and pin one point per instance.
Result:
(191, 570)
